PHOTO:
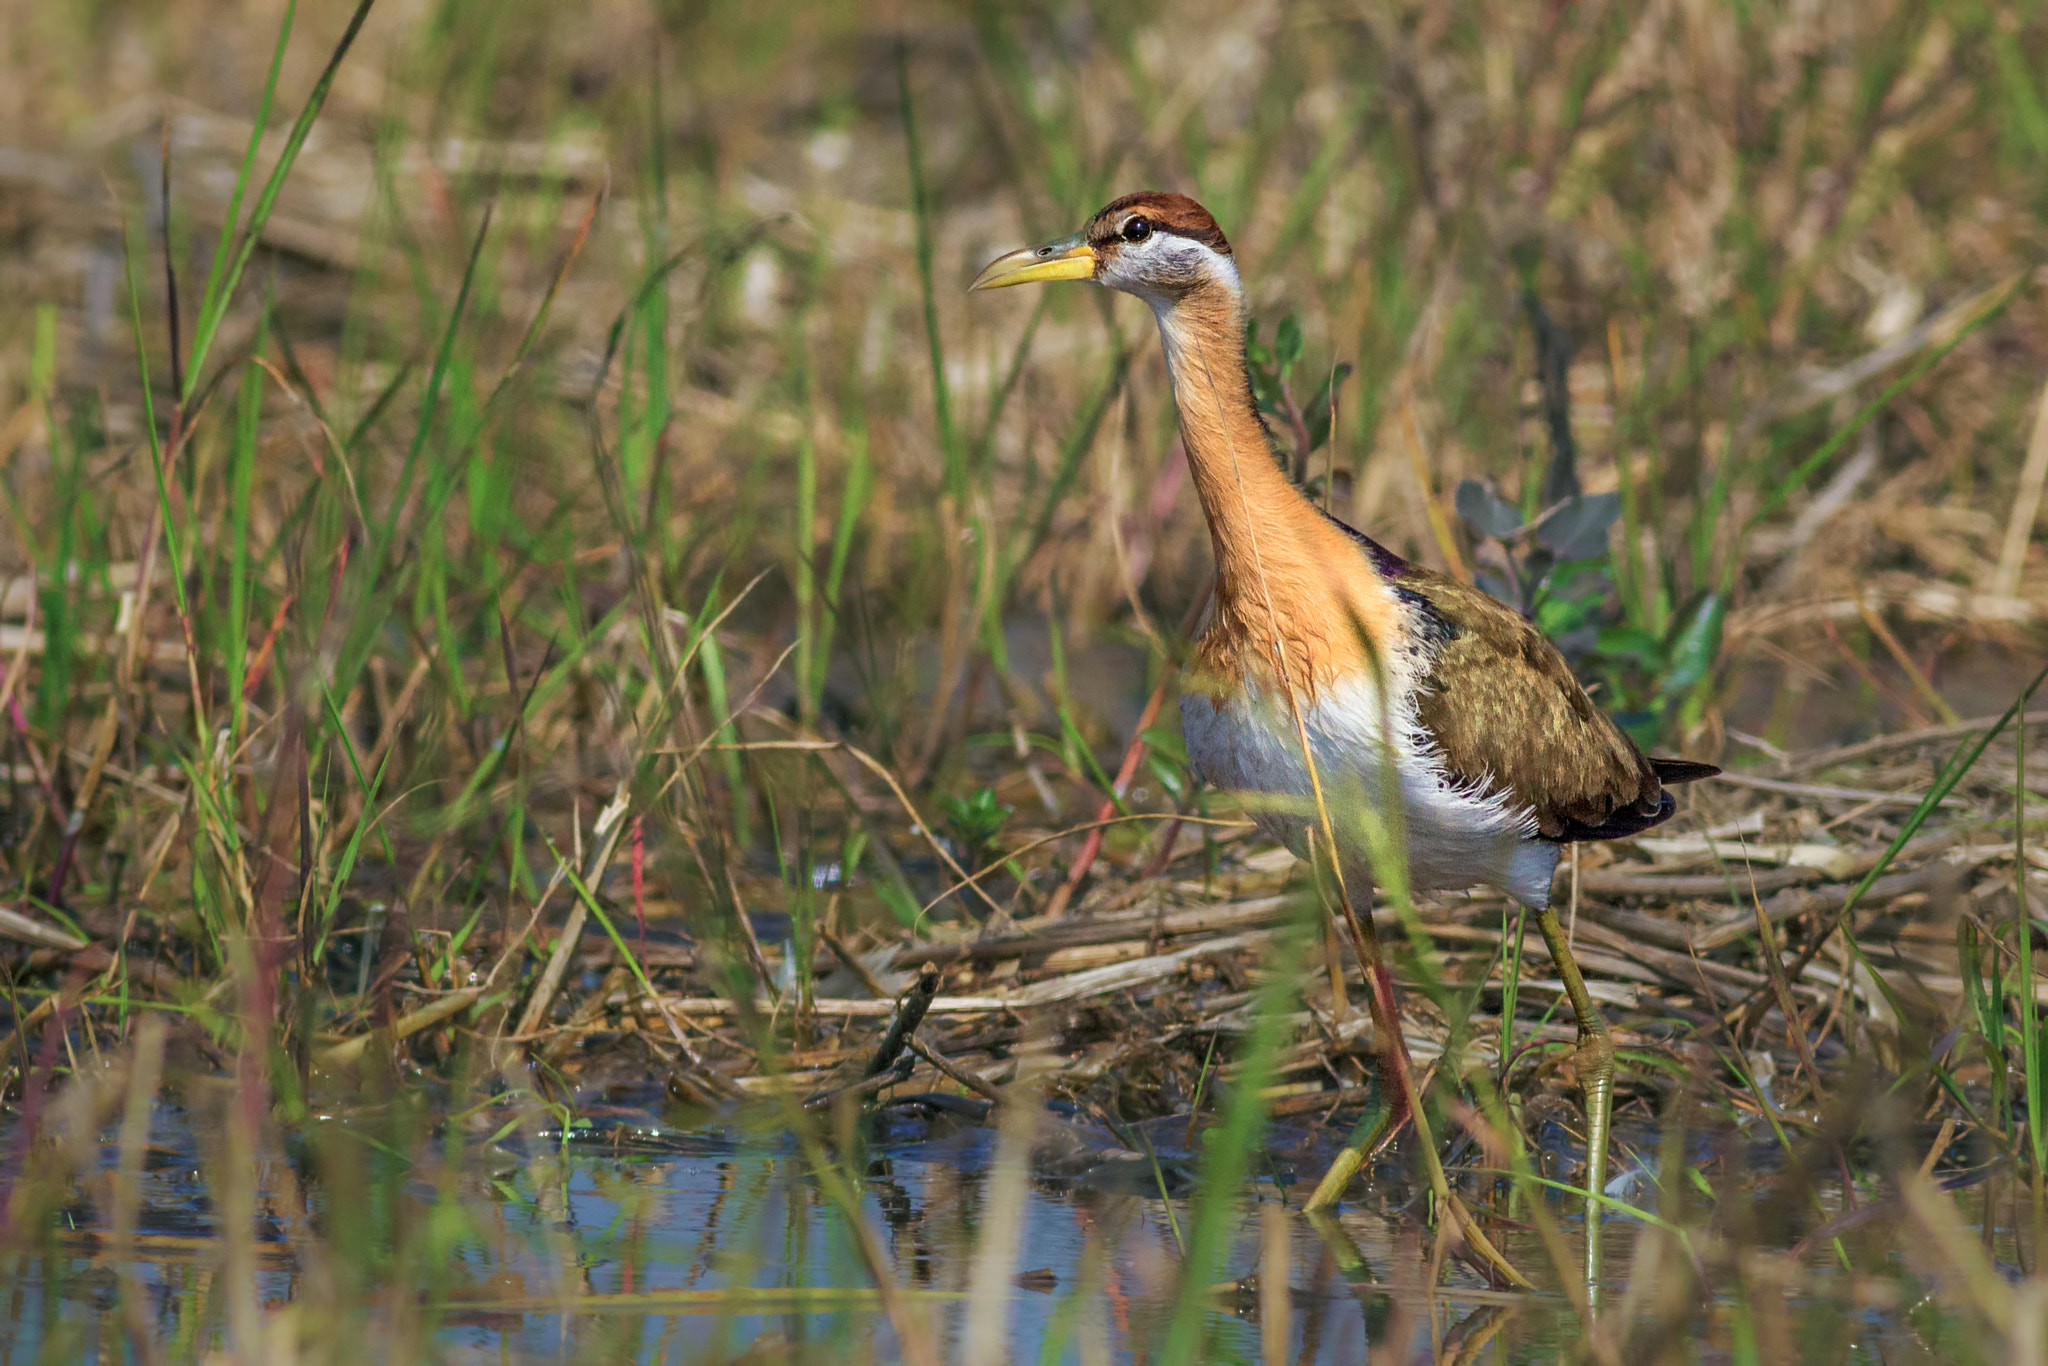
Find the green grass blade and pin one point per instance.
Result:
(156, 445)
(853, 504)
(355, 763)
(444, 356)
(589, 900)
(921, 209)
(220, 290)
(1226, 1158)
(1959, 764)
(809, 665)
(216, 274)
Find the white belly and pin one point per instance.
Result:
(1455, 837)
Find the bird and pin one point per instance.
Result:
(1328, 668)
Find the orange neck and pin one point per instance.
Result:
(1294, 599)
(1254, 511)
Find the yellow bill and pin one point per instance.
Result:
(1070, 258)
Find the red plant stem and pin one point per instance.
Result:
(1393, 1051)
(261, 667)
(1133, 752)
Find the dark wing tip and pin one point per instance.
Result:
(1636, 817)
(1682, 770)
(1619, 825)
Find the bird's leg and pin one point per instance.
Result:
(1596, 1074)
(1397, 1086)
(1390, 1048)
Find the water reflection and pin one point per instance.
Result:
(623, 1238)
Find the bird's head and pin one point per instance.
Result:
(1161, 247)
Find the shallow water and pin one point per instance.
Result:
(633, 1212)
(714, 1243)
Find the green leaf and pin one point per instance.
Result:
(1171, 778)
(1166, 741)
(901, 903)
(976, 821)
(1629, 643)
(1287, 344)
(1695, 647)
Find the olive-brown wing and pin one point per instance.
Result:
(1506, 712)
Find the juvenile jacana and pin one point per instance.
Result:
(1404, 685)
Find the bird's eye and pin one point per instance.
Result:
(1137, 229)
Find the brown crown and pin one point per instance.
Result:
(1169, 212)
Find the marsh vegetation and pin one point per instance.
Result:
(589, 754)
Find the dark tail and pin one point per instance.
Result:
(1681, 770)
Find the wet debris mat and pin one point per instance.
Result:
(1697, 940)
